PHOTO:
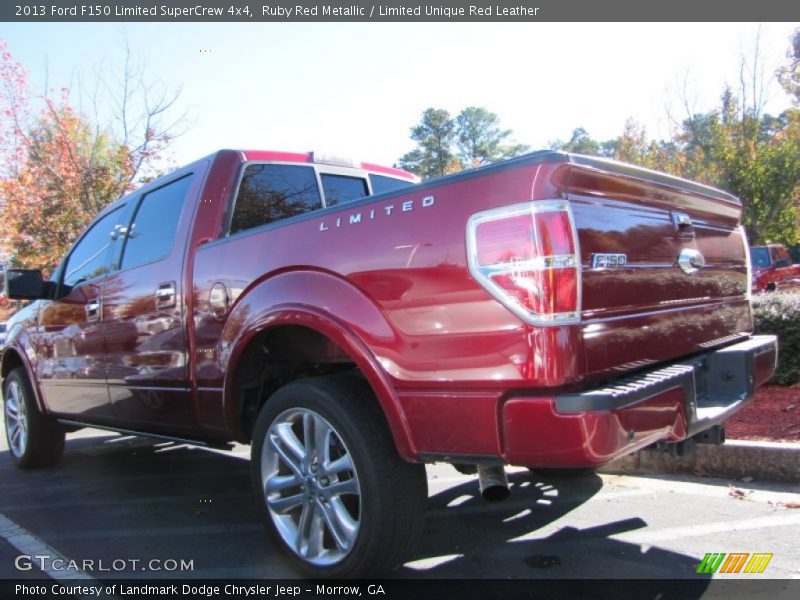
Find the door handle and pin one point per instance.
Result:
(683, 224)
(165, 295)
(93, 310)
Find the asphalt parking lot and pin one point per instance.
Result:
(122, 498)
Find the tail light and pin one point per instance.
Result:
(527, 257)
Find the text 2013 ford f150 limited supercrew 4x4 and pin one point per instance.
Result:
(551, 311)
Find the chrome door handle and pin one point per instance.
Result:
(93, 311)
(683, 224)
(166, 295)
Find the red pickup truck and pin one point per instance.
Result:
(550, 311)
(773, 269)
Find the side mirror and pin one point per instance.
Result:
(784, 262)
(27, 284)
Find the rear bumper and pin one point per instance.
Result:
(667, 404)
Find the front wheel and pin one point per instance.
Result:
(34, 439)
(335, 495)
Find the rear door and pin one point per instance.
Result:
(143, 310)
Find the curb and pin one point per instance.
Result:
(735, 459)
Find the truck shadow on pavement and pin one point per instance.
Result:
(522, 538)
(126, 497)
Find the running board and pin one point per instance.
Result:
(154, 436)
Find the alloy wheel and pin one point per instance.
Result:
(311, 487)
(16, 419)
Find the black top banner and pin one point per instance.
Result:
(398, 10)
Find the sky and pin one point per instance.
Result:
(355, 89)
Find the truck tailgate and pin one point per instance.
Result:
(664, 266)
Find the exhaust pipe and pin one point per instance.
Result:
(493, 482)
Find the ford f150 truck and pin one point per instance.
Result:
(773, 269)
(549, 311)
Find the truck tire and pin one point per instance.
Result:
(34, 440)
(345, 504)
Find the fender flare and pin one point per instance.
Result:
(259, 309)
(17, 346)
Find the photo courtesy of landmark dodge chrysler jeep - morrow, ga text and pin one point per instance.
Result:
(552, 311)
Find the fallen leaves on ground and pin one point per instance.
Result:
(773, 415)
(783, 505)
(739, 494)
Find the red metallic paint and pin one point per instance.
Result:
(649, 311)
(388, 171)
(455, 423)
(534, 433)
(320, 301)
(21, 348)
(70, 354)
(278, 156)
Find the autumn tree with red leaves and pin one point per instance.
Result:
(59, 167)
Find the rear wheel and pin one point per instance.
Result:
(335, 495)
(34, 440)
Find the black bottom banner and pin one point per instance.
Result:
(394, 589)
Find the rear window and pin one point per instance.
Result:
(269, 193)
(340, 188)
(381, 183)
(759, 258)
(3, 327)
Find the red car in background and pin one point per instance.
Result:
(773, 268)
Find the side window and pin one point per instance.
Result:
(269, 193)
(151, 234)
(88, 258)
(382, 184)
(780, 253)
(759, 258)
(340, 189)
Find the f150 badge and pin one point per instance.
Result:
(370, 214)
(608, 261)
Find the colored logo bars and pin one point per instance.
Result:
(736, 562)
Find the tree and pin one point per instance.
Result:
(447, 145)
(734, 146)
(58, 167)
(480, 140)
(65, 178)
(789, 74)
(582, 143)
(433, 156)
(753, 155)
